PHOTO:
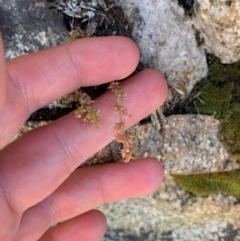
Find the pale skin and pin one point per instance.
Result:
(39, 182)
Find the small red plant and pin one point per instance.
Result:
(85, 111)
(120, 129)
(90, 115)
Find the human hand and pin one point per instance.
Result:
(40, 185)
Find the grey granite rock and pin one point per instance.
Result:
(186, 144)
(171, 214)
(167, 41)
(29, 26)
(191, 144)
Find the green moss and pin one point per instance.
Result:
(220, 96)
(76, 34)
(227, 183)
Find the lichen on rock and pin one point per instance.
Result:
(218, 22)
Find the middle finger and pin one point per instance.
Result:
(32, 167)
(37, 79)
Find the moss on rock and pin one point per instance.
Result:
(220, 96)
(227, 183)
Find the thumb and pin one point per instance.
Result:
(2, 75)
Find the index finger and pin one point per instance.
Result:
(47, 75)
(37, 79)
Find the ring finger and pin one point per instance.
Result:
(88, 188)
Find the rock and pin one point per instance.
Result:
(219, 24)
(191, 144)
(29, 26)
(172, 214)
(167, 42)
(186, 144)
